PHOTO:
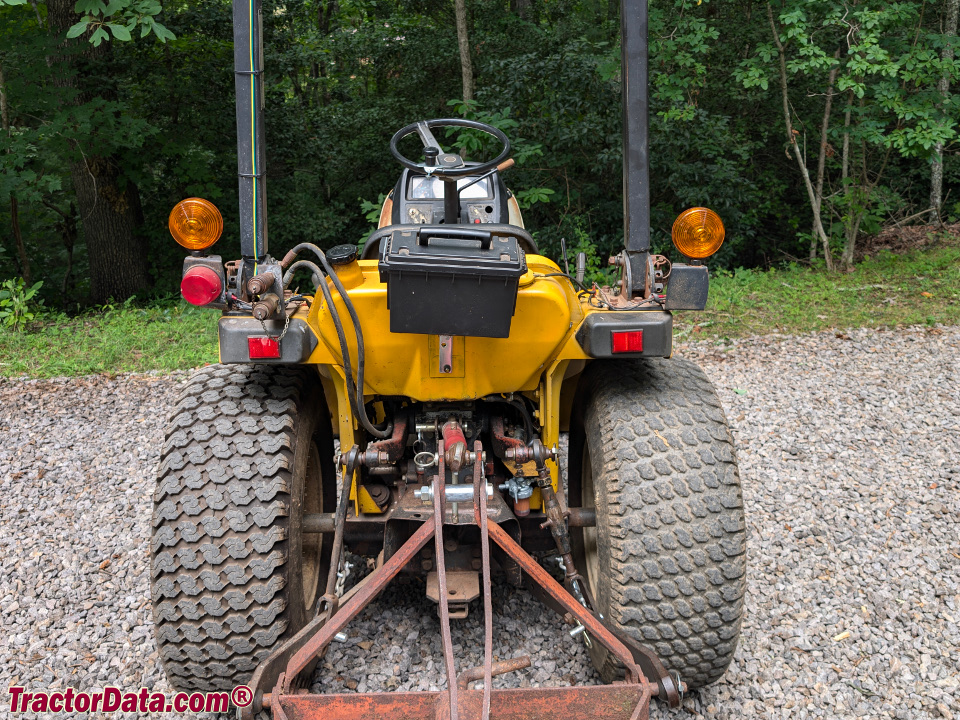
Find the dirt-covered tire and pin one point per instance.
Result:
(651, 450)
(248, 451)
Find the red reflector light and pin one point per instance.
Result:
(263, 347)
(628, 342)
(201, 285)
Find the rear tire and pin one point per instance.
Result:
(666, 563)
(248, 451)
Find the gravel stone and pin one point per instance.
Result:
(849, 449)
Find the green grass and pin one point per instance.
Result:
(920, 288)
(124, 339)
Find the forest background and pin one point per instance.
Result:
(808, 126)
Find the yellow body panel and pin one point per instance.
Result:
(540, 353)
(404, 364)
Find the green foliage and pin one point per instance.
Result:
(597, 270)
(686, 48)
(121, 18)
(887, 65)
(165, 335)
(529, 197)
(917, 288)
(18, 306)
(371, 211)
(340, 78)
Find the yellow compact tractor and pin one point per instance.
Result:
(410, 409)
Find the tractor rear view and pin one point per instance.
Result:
(410, 409)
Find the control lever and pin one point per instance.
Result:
(505, 165)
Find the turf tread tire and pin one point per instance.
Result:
(224, 585)
(672, 566)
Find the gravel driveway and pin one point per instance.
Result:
(849, 449)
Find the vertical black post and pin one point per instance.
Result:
(636, 161)
(248, 67)
(451, 202)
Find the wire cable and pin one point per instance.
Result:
(356, 392)
(571, 278)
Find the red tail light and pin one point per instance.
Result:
(201, 285)
(263, 347)
(628, 342)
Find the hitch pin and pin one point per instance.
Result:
(581, 630)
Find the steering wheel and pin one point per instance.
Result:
(440, 164)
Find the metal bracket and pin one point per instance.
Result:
(445, 343)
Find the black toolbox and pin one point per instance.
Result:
(451, 280)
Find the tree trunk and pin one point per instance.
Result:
(22, 258)
(943, 87)
(792, 141)
(67, 227)
(68, 231)
(521, 7)
(111, 216)
(824, 129)
(852, 232)
(845, 163)
(36, 9)
(864, 192)
(18, 240)
(107, 201)
(857, 196)
(466, 64)
(847, 258)
(326, 11)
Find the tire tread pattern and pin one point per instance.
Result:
(677, 533)
(221, 507)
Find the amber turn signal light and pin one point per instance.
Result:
(698, 233)
(195, 223)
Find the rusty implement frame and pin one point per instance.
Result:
(627, 700)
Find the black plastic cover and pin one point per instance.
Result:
(687, 288)
(458, 280)
(595, 334)
(295, 347)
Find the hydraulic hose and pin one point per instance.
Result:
(344, 349)
(354, 391)
(374, 242)
(312, 266)
(529, 429)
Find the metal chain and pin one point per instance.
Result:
(342, 578)
(286, 324)
(278, 338)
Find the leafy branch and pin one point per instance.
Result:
(116, 18)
